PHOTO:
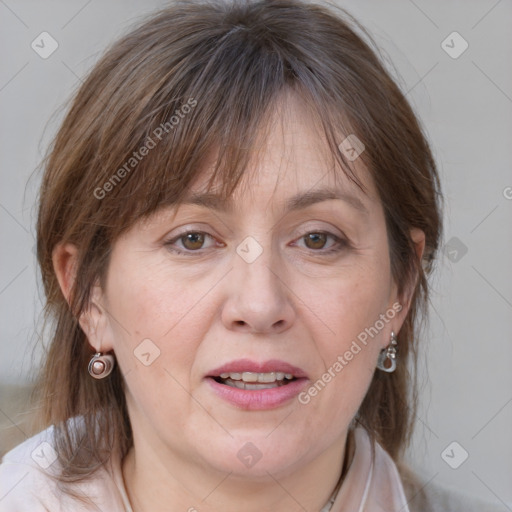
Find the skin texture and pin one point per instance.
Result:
(206, 308)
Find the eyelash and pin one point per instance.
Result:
(340, 245)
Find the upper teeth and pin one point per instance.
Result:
(257, 377)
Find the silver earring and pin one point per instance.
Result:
(101, 365)
(387, 356)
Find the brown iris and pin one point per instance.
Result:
(193, 241)
(318, 240)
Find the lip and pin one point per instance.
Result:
(258, 399)
(247, 365)
(253, 400)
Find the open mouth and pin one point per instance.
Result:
(255, 381)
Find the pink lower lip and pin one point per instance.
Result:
(254, 400)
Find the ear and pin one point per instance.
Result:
(418, 237)
(64, 258)
(93, 320)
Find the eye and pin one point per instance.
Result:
(191, 241)
(316, 240)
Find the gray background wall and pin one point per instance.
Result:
(465, 104)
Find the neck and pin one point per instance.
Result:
(157, 484)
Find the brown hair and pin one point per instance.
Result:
(204, 75)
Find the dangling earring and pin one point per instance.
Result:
(387, 356)
(101, 365)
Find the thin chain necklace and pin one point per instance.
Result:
(346, 464)
(331, 501)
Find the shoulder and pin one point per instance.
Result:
(23, 476)
(28, 481)
(433, 497)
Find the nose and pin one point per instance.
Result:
(258, 299)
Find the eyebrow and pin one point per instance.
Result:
(294, 203)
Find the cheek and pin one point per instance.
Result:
(156, 333)
(150, 300)
(347, 353)
(350, 333)
(152, 313)
(352, 300)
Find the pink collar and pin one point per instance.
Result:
(370, 485)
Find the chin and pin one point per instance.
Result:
(255, 456)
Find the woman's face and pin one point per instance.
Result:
(279, 280)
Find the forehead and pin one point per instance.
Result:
(291, 158)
